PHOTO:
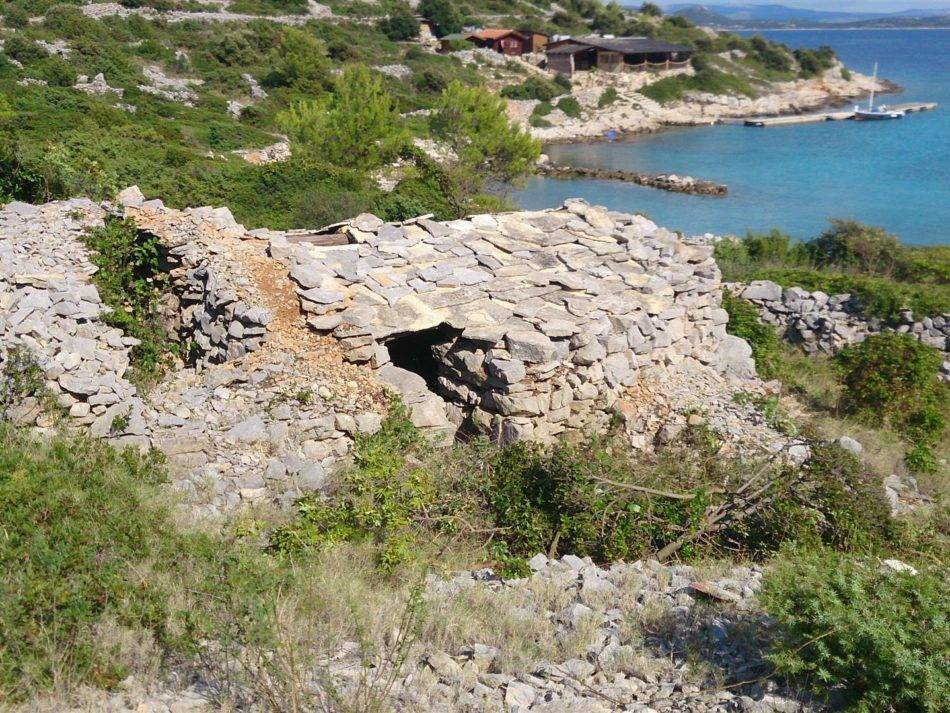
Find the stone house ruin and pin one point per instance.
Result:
(527, 325)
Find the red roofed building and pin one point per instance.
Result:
(503, 41)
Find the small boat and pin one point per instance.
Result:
(881, 113)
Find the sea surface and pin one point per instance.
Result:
(895, 174)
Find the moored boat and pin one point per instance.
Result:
(881, 113)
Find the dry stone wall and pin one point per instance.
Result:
(213, 302)
(826, 323)
(541, 321)
(50, 315)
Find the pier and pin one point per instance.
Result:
(815, 118)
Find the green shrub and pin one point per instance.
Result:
(14, 16)
(78, 545)
(851, 245)
(744, 322)
(534, 88)
(813, 62)
(428, 185)
(22, 378)
(671, 89)
(878, 639)
(772, 55)
(130, 279)
(401, 24)
(892, 379)
(834, 500)
(570, 106)
(444, 15)
(889, 376)
(607, 97)
(377, 498)
(23, 50)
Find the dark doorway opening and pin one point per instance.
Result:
(414, 351)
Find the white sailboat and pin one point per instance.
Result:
(880, 113)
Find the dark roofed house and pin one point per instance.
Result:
(614, 54)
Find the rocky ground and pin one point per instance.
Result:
(572, 637)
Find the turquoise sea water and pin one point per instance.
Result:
(895, 174)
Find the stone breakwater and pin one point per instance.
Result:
(820, 322)
(524, 325)
(663, 181)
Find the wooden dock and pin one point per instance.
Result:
(763, 121)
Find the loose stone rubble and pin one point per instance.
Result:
(820, 322)
(623, 631)
(96, 86)
(100, 10)
(397, 71)
(274, 153)
(663, 181)
(171, 88)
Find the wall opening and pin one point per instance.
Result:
(414, 351)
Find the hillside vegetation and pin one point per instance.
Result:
(165, 119)
(103, 581)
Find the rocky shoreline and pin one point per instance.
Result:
(635, 113)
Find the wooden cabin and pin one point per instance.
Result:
(509, 42)
(614, 54)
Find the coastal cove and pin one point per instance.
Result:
(895, 174)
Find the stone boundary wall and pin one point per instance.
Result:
(51, 313)
(826, 323)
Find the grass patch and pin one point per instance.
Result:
(607, 97)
